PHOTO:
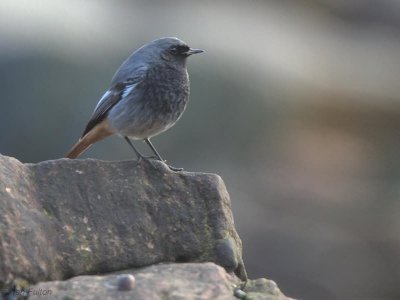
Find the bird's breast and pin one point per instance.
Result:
(166, 92)
(158, 102)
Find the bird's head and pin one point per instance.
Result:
(171, 50)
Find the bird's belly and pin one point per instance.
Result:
(147, 130)
(147, 119)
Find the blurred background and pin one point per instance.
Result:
(296, 104)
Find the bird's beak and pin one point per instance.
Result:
(193, 51)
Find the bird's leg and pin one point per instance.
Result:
(138, 154)
(159, 156)
(154, 150)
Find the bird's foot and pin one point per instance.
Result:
(175, 169)
(150, 157)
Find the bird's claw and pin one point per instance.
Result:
(174, 168)
(150, 157)
(140, 158)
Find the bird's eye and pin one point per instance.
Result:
(173, 50)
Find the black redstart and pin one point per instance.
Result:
(148, 94)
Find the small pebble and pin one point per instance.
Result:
(125, 282)
(238, 293)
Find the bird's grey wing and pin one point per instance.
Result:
(117, 92)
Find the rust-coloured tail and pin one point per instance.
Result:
(79, 148)
(99, 132)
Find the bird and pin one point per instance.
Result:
(148, 94)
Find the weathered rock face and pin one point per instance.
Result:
(64, 218)
(184, 281)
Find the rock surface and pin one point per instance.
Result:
(64, 218)
(184, 281)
